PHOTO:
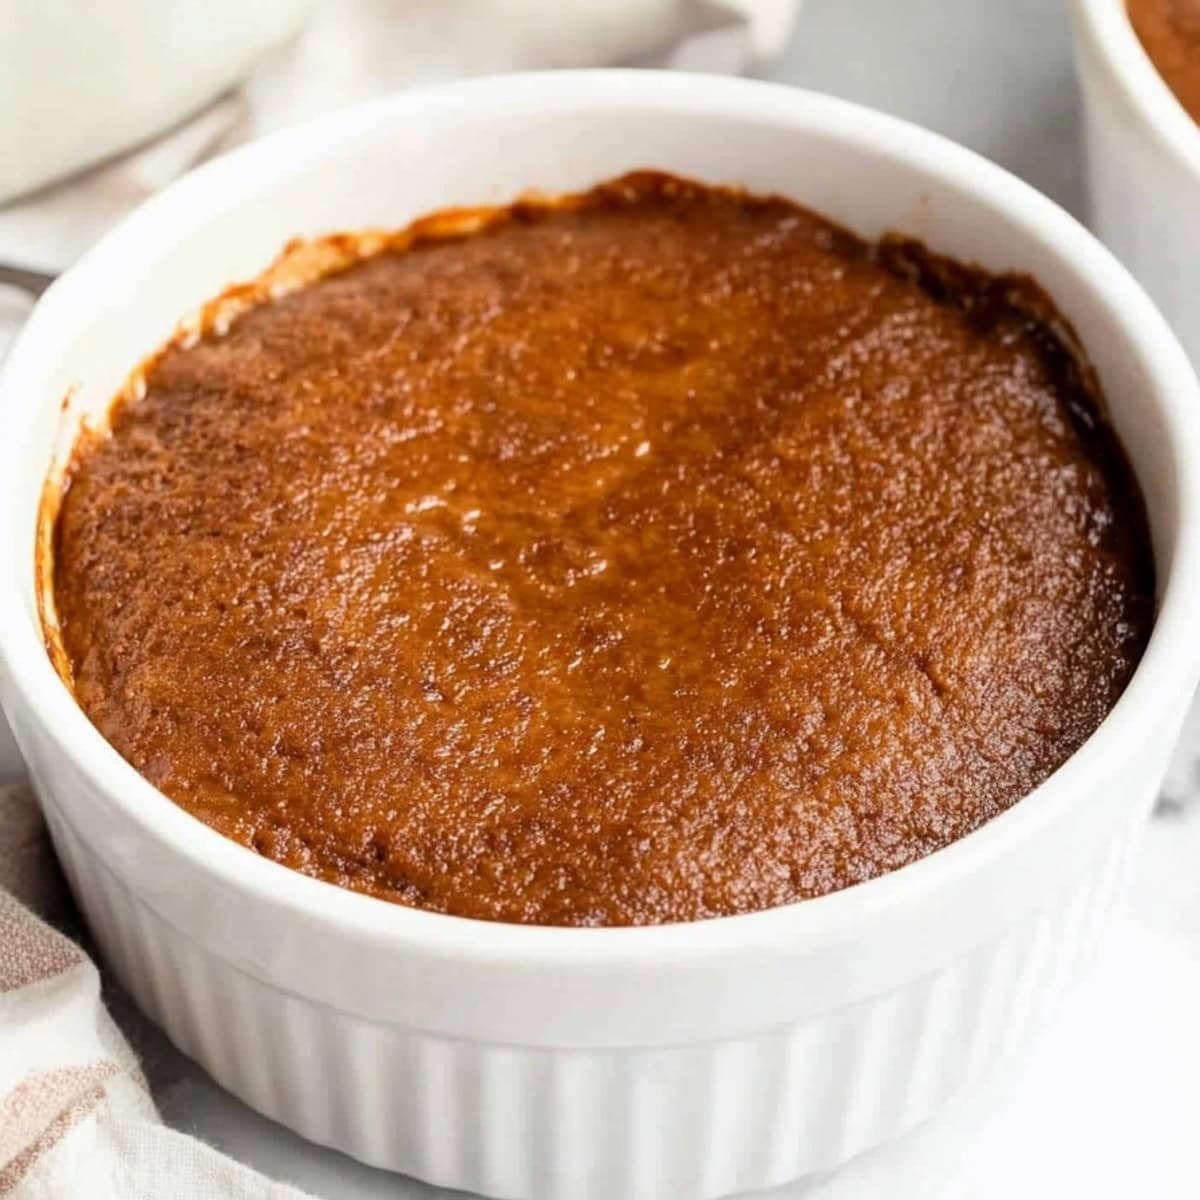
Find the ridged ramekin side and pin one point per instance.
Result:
(700, 1120)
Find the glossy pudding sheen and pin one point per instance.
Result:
(1170, 32)
(647, 555)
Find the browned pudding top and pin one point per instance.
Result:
(1170, 32)
(663, 554)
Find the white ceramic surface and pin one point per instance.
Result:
(688, 1060)
(1143, 164)
(79, 82)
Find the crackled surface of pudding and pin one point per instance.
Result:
(1170, 32)
(662, 554)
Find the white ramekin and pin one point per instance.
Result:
(1143, 164)
(679, 1061)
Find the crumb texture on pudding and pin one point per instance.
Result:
(657, 555)
(1170, 32)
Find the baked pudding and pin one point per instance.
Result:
(1169, 30)
(652, 554)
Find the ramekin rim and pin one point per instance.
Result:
(1112, 34)
(1168, 658)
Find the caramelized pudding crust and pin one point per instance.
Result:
(1170, 32)
(663, 554)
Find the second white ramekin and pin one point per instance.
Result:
(1143, 164)
(679, 1061)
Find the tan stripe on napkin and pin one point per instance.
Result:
(30, 950)
(41, 1109)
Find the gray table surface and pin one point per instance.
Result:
(1106, 1104)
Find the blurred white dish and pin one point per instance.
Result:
(84, 81)
(1143, 164)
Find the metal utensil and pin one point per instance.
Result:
(25, 279)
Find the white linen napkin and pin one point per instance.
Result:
(76, 1118)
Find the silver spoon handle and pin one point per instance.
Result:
(33, 282)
